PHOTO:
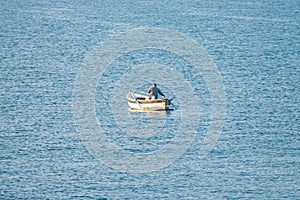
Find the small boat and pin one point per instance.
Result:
(140, 102)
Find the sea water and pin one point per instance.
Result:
(253, 44)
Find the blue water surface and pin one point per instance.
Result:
(255, 45)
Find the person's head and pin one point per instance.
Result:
(154, 84)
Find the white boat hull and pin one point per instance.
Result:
(143, 103)
(147, 106)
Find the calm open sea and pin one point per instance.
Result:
(256, 48)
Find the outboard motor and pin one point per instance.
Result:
(168, 102)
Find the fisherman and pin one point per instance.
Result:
(154, 91)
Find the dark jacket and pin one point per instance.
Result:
(154, 91)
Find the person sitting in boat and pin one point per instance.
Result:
(154, 91)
